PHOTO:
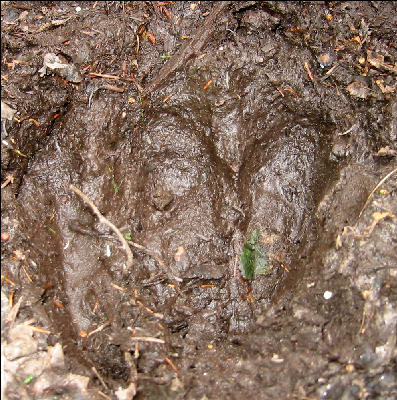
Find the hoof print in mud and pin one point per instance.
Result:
(190, 126)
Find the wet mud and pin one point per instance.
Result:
(257, 132)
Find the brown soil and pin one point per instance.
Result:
(296, 128)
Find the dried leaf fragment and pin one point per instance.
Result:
(377, 61)
(309, 73)
(178, 254)
(7, 112)
(151, 37)
(57, 22)
(386, 151)
(385, 89)
(67, 71)
(19, 254)
(358, 89)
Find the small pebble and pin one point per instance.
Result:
(5, 237)
(78, 9)
(327, 295)
(325, 60)
(350, 368)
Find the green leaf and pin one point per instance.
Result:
(115, 187)
(253, 259)
(53, 231)
(28, 379)
(127, 236)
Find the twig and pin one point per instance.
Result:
(328, 73)
(100, 328)
(99, 392)
(307, 68)
(112, 88)
(95, 75)
(375, 189)
(51, 24)
(100, 378)
(117, 78)
(105, 221)
(14, 311)
(171, 364)
(38, 329)
(146, 339)
(10, 179)
(348, 131)
(189, 49)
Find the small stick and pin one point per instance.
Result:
(136, 351)
(116, 78)
(38, 329)
(99, 392)
(100, 378)
(7, 280)
(287, 89)
(11, 299)
(95, 75)
(328, 74)
(171, 364)
(375, 189)
(189, 49)
(280, 91)
(284, 267)
(308, 71)
(112, 88)
(27, 275)
(167, 98)
(20, 7)
(14, 311)
(150, 311)
(100, 328)
(105, 221)
(147, 339)
(348, 131)
(118, 287)
(10, 179)
(95, 306)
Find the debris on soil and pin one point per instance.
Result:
(105, 221)
(7, 112)
(358, 89)
(53, 63)
(190, 49)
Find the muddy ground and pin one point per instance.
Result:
(190, 125)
